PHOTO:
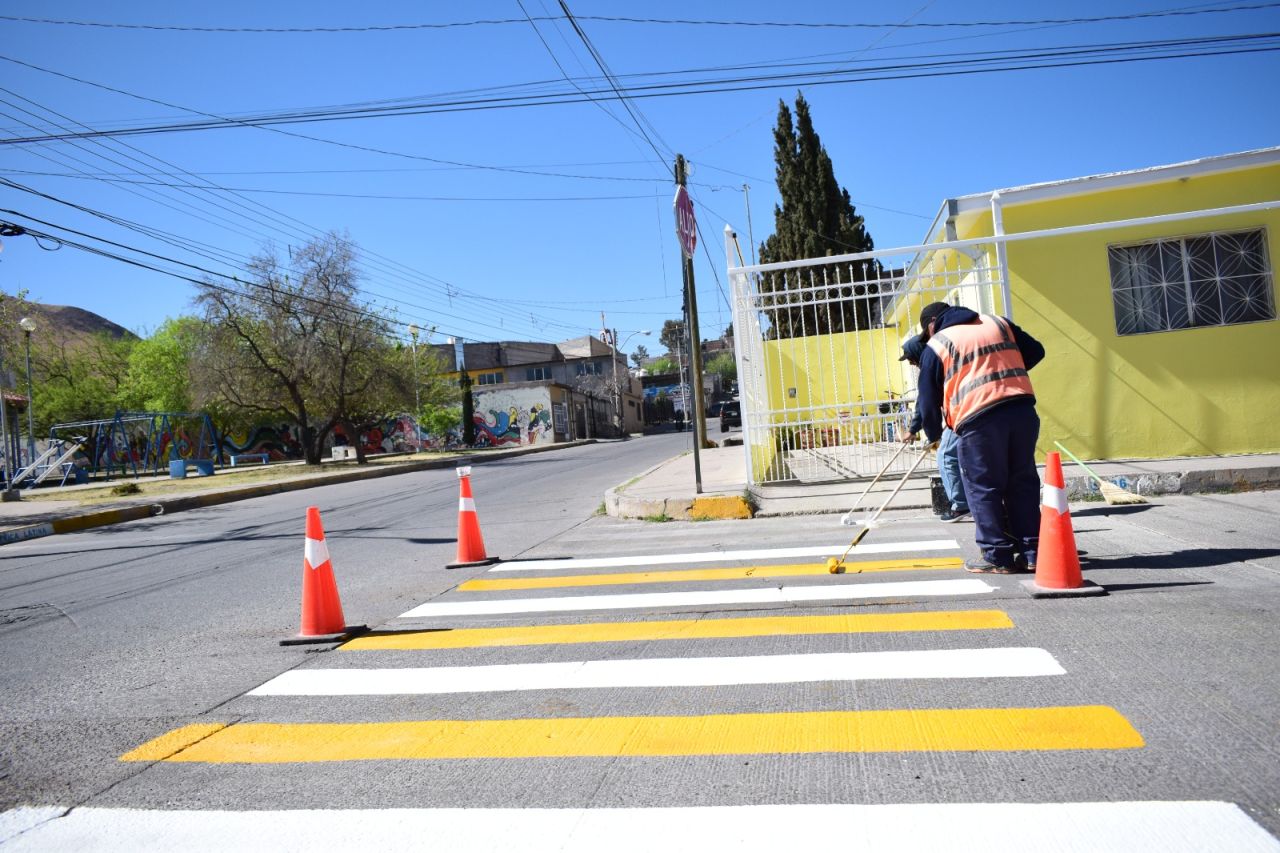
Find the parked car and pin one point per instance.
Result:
(730, 415)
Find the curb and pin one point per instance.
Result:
(701, 508)
(1078, 488)
(101, 518)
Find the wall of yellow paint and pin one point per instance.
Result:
(1190, 392)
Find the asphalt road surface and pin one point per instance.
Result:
(631, 700)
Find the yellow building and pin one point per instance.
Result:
(1153, 292)
(1161, 335)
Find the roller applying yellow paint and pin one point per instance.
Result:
(836, 566)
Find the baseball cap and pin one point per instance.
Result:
(912, 348)
(928, 313)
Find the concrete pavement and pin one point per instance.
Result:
(668, 490)
(665, 491)
(31, 519)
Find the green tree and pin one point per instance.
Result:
(724, 365)
(159, 373)
(816, 218)
(663, 364)
(78, 380)
(672, 336)
(640, 356)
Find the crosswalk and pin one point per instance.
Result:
(485, 637)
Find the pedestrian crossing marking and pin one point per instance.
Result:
(708, 598)
(968, 827)
(665, 672)
(968, 729)
(688, 575)
(722, 556)
(681, 629)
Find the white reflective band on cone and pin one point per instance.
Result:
(316, 552)
(465, 471)
(466, 505)
(1054, 498)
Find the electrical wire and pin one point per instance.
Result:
(1034, 59)
(1133, 16)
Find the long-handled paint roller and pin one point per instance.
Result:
(835, 566)
(1111, 493)
(847, 519)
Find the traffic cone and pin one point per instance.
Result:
(322, 619)
(470, 542)
(1057, 561)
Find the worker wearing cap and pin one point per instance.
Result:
(948, 449)
(973, 380)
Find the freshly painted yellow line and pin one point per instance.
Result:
(685, 575)
(173, 742)
(682, 629)
(994, 729)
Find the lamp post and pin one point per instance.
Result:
(417, 403)
(28, 325)
(617, 386)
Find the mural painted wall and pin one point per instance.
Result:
(513, 416)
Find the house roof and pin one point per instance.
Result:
(1114, 180)
(498, 354)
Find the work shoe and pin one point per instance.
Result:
(985, 567)
(948, 515)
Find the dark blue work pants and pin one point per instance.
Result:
(998, 464)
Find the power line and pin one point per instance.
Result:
(117, 180)
(1134, 16)
(613, 84)
(288, 230)
(1034, 59)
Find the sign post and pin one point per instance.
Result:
(687, 232)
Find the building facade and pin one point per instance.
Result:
(585, 376)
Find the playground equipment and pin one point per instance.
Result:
(140, 443)
(42, 468)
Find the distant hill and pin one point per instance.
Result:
(71, 323)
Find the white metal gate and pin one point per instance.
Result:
(817, 342)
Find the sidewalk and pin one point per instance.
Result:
(32, 519)
(667, 490)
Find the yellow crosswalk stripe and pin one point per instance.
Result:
(682, 629)
(991, 729)
(688, 575)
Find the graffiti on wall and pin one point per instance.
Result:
(279, 442)
(513, 416)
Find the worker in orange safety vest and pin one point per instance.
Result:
(973, 377)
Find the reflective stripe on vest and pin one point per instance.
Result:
(981, 366)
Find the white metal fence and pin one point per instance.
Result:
(823, 392)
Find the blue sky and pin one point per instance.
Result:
(526, 223)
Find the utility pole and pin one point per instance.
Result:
(695, 339)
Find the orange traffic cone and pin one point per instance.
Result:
(1057, 562)
(470, 542)
(322, 619)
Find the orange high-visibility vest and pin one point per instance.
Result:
(981, 366)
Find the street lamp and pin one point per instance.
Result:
(417, 403)
(28, 325)
(617, 386)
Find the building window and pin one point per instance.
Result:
(1185, 282)
(489, 379)
(536, 374)
(590, 368)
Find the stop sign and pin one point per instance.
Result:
(686, 225)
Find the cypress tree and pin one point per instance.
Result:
(816, 218)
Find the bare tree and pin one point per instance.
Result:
(297, 342)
